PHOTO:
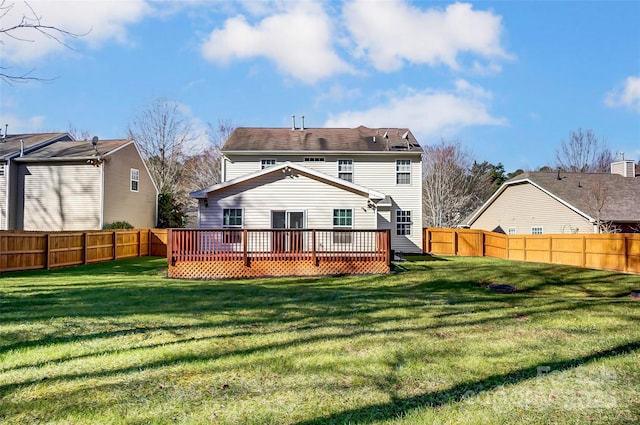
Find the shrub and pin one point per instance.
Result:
(117, 225)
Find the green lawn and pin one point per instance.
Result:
(119, 343)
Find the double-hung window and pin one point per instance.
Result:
(536, 230)
(403, 171)
(135, 179)
(232, 220)
(342, 220)
(345, 169)
(403, 222)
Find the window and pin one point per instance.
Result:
(403, 171)
(232, 219)
(345, 169)
(536, 230)
(268, 162)
(342, 219)
(512, 230)
(135, 180)
(313, 159)
(403, 222)
(1, 170)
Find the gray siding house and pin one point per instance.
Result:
(323, 178)
(74, 185)
(559, 202)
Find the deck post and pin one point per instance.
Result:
(388, 235)
(244, 248)
(313, 247)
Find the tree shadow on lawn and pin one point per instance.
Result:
(399, 407)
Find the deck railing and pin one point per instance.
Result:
(288, 251)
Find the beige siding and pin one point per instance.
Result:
(524, 206)
(59, 197)
(377, 172)
(275, 192)
(121, 203)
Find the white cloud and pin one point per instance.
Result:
(298, 40)
(95, 20)
(428, 113)
(18, 125)
(628, 96)
(391, 33)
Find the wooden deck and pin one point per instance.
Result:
(223, 253)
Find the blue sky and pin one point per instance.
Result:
(509, 80)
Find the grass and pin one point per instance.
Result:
(118, 343)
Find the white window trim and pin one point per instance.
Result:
(403, 172)
(345, 172)
(2, 170)
(537, 227)
(233, 226)
(134, 179)
(511, 231)
(262, 161)
(404, 223)
(344, 238)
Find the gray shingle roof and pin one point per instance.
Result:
(359, 139)
(621, 194)
(79, 149)
(10, 145)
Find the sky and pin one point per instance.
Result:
(508, 80)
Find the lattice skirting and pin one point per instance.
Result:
(237, 268)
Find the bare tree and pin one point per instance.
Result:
(204, 169)
(164, 136)
(21, 28)
(77, 133)
(597, 197)
(583, 153)
(450, 190)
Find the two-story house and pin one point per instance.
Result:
(49, 182)
(322, 178)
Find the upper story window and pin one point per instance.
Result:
(536, 230)
(267, 162)
(403, 171)
(1, 170)
(345, 169)
(313, 159)
(135, 179)
(512, 230)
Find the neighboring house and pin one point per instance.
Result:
(72, 185)
(11, 147)
(322, 178)
(559, 202)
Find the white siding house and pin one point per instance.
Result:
(320, 178)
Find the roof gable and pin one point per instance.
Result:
(618, 196)
(359, 139)
(285, 167)
(12, 144)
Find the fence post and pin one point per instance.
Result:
(85, 244)
(115, 246)
(149, 244)
(47, 243)
(455, 242)
(584, 251)
(626, 254)
(550, 249)
(169, 247)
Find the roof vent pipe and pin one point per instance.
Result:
(6, 128)
(302, 128)
(21, 147)
(293, 122)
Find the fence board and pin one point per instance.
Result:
(40, 250)
(616, 252)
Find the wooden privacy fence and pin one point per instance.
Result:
(39, 250)
(224, 253)
(617, 252)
